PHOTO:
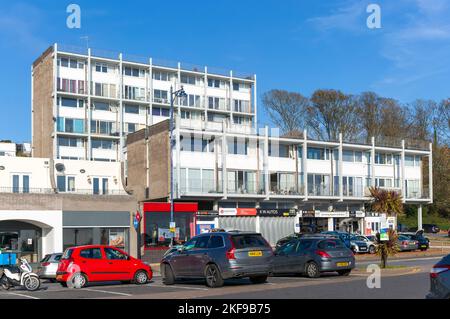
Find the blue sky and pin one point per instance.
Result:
(293, 45)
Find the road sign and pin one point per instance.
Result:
(172, 227)
(384, 236)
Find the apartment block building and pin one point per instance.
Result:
(49, 205)
(269, 183)
(85, 101)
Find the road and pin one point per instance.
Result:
(412, 283)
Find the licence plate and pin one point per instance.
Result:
(257, 253)
(423, 246)
(343, 264)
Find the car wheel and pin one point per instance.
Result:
(258, 279)
(78, 281)
(168, 276)
(141, 277)
(213, 276)
(344, 272)
(312, 270)
(372, 249)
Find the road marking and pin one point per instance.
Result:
(21, 295)
(270, 283)
(181, 287)
(109, 292)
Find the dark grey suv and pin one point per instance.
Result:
(219, 256)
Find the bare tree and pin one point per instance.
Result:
(287, 110)
(422, 119)
(394, 119)
(332, 112)
(370, 113)
(442, 122)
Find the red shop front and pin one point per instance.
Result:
(156, 237)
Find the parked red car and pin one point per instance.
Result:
(83, 264)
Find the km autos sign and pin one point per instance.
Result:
(276, 212)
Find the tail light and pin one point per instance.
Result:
(404, 243)
(438, 269)
(45, 264)
(322, 254)
(230, 253)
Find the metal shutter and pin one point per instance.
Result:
(238, 223)
(275, 228)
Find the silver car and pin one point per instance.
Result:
(312, 256)
(218, 256)
(407, 244)
(48, 266)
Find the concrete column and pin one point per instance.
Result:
(224, 160)
(230, 98)
(121, 108)
(257, 224)
(89, 106)
(372, 165)
(255, 102)
(150, 93)
(340, 176)
(205, 95)
(419, 217)
(177, 87)
(266, 162)
(305, 163)
(177, 150)
(330, 224)
(430, 173)
(403, 181)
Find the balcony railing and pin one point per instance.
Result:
(199, 186)
(235, 187)
(26, 190)
(418, 194)
(319, 190)
(285, 189)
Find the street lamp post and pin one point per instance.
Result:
(179, 93)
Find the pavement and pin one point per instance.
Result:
(410, 279)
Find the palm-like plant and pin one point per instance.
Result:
(390, 203)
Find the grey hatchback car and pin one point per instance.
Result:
(312, 256)
(219, 256)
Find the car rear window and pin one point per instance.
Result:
(57, 257)
(67, 254)
(46, 258)
(248, 240)
(215, 242)
(330, 244)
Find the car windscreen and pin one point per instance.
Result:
(248, 241)
(67, 254)
(330, 244)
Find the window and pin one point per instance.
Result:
(161, 76)
(358, 156)
(215, 83)
(383, 159)
(69, 141)
(160, 96)
(134, 93)
(318, 153)
(131, 109)
(236, 86)
(69, 102)
(101, 106)
(91, 253)
(101, 67)
(238, 146)
(102, 144)
(157, 228)
(65, 183)
(216, 242)
(409, 160)
(242, 106)
(77, 237)
(216, 103)
(347, 156)
(61, 183)
(131, 127)
(246, 241)
(114, 254)
(129, 71)
(70, 63)
(188, 79)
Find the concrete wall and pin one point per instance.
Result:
(42, 105)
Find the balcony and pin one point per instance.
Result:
(285, 189)
(250, 187)
(198, 186)
(319, 190)
(28, 190)
(417, 193)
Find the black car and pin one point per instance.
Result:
(424, 242)
(431, 228)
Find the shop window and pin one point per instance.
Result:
(116, 237)
(157, 232)
(77, 237)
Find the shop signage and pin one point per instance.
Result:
(237, 212)
(280, 212)
(332, 214)
(384, 235)
(357, 214)
(208, 213)
(310, 213)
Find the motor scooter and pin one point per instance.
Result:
(22, 276)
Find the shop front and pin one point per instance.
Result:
(157, 236)
(242, 219)
(96, 228)
(206, 221)
(316, 221)
(275, 224)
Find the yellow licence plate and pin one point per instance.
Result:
(257, 253)
(342, 264)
